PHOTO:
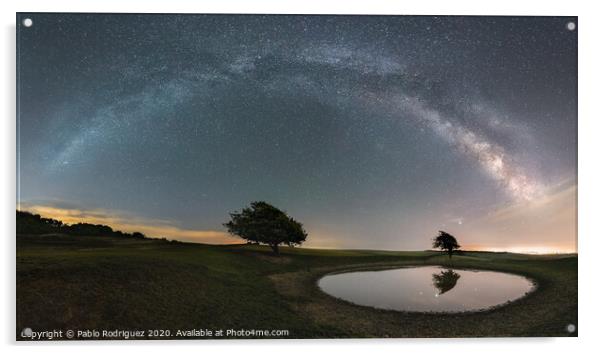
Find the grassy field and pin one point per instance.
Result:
(76, 282)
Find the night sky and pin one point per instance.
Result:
(373, 131)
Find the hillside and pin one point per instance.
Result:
(93, 282)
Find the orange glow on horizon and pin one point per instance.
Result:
(544, 226)
(528, 249)
(149, 227)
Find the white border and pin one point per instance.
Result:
(590, 58)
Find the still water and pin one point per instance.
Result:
(429, 288)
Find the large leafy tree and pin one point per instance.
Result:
(446, 242)
(265, 224)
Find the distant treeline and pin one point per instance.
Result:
(29, 223)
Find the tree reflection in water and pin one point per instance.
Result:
(445, 281)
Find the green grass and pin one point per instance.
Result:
(75, 282)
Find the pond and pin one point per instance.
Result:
(429, 288)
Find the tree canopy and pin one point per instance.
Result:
(446, 242)
(265, 224)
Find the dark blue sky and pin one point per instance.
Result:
(374, 131)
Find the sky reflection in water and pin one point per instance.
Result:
(429, 288)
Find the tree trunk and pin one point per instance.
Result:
(449, 251)
(275, 249)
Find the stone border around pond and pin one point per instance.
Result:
(534, 314)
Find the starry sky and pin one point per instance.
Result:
(373, 131)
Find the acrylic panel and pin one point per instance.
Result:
(190, 176)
